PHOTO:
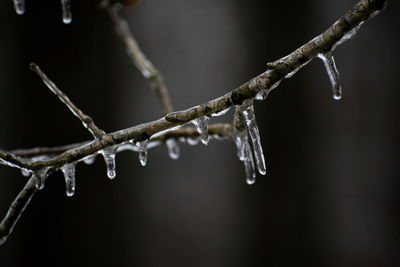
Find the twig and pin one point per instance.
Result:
(139, 58)
(86, 120)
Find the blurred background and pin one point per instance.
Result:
(330, 196)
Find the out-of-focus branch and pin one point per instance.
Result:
(138, 57)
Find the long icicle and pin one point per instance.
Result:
(333, 73)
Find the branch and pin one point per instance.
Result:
(138, 57)
(161, 129)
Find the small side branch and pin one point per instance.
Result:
(139, 58)
(87, 121)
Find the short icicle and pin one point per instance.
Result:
(40, 176)
(173, 148)
(142, 148)
(19, 6)
(66, 9)
(333, 74)
(202, 128)
(255, 138)
(109, 159)
(69, 175)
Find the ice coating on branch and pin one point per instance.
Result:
(69, 175)
(173, 148)
(333, 73)
(19, 6)
(223, 112)
(89, 159)
(348, 35)
(40, 177)
(109, 159)
(202, 128)
(255, 138)
(142, 149)
(26, 172)
(66, 9)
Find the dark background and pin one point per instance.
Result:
(330, 196)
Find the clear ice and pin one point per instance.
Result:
(66, 9)
(26, 172)
(19, 6)
(333, 74)
(109, 159)
(243, 147)
(89, 159)
(202, 128)
(255, 138)
(69, 175)
(142, 148)
(173, 148)
(40, 177)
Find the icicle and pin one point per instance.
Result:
(249, 165)
(255, 138)
(69, 175)
(19, 6)
(40, 177)
(89, 159)
(109, 159)
(202, 128)
(333, 74)
(142, 146)
(173, 148)
(243, 147)
(66, 9)
(26, 172)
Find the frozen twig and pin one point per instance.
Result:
(277, 71)
(85, 119)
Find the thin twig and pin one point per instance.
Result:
(16, 209)
(139, 58)
(87, 121)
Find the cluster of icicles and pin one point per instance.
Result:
(19, 6)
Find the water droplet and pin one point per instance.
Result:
(69, 176)
(173, 148)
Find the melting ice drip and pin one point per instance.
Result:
(109, 158)
(202, 128)
(333, 74)
(19, 6)
(69, 175)
(246, 125)
(142, 148)
(66, 9)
